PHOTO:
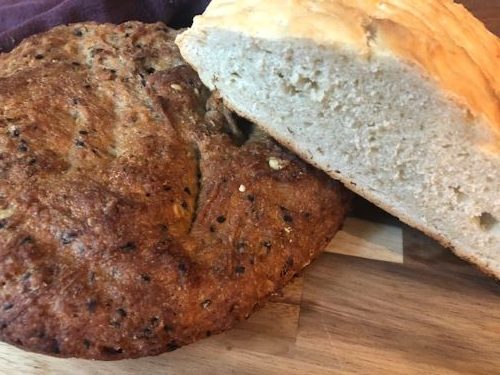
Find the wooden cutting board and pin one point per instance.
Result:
(384, 299)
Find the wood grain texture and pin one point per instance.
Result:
(430, 314)
(370, 240)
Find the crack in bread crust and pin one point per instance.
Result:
(124, 228)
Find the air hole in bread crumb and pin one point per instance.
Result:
(459, 194)
(489, 223)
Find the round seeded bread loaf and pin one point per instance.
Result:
(135, 216)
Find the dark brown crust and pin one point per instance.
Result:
(133, 222)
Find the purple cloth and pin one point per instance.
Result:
(21, 18)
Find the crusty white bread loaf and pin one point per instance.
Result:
(399, 99)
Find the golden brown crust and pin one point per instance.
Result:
(133, 220)
(448, 43)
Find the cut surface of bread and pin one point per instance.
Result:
(397, 99)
